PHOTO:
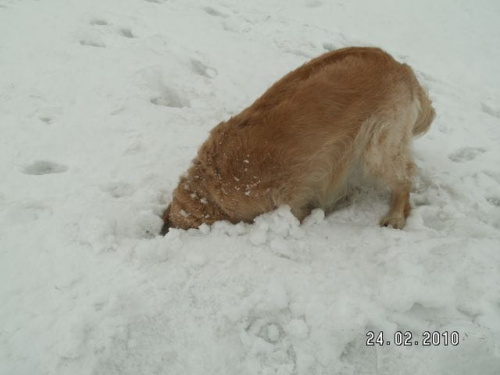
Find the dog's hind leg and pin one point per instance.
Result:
(400, 206)
(387, 158)
(396, 173)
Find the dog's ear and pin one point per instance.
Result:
(166, 221)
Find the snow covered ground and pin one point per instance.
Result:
(103, 103)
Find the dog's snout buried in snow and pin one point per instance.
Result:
(348, 112)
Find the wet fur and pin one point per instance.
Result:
(348, 112)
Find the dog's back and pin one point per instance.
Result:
(351, 109)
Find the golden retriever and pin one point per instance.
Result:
(348, 112)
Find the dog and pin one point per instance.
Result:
(347, 112)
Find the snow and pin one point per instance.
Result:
(103, 104)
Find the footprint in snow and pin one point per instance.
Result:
(214, 12)
(42, 167)
(118, 189)
(201, 69)
(495, 201)
(169, 98)
(436, 219)
(495, 112)
(283, 352)
(46, 119)
(466, 154)
(329, 46)
(126, 32)
(20, 214)
(313, 3)
(271, 332)
(99, 22)
(92, 43)
(93, 39)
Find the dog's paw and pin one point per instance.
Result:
(396, 222)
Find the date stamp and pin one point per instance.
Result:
(407, 338)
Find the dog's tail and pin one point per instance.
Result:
(426, 113)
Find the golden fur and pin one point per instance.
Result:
(348, 111)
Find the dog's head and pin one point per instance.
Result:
(183, 212)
